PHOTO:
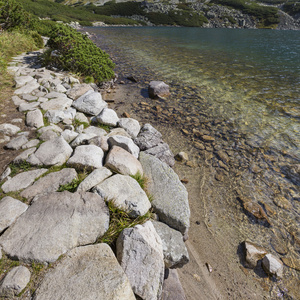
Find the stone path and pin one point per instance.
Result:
(75, 141)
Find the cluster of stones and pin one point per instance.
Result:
(53, 223)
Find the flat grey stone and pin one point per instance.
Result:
(162, 152)
(22, 180)
(48, 135)
(55, 95)
(28, 88)
(14, 282)
(53, 152)
(50, 183)
(126, 194)
(22, 80)
(118, 131)
(24, 155)
(29, 97)
(17, 101)
(140, 254)
(95, 130)
(57, 104)
(78, 90)
(54, 224)
(69, 135)
(87, 157)
(175, 252)
(108, 117)
(31, 144)
(34, 118)
(121, 161)
(172, 288)
(90, 272)
(5, 174)
(158, 88)
(125, 143)
(170, 197)
(9, 129)
(17, 143)
(96, 177)
(10, 210)
(148, 137)
(28, 106)
(90, 103)
(59, 88)
(132, 126)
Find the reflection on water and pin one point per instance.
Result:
(248, 79)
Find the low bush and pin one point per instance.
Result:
(77, 53)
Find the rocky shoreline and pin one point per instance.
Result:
(54, 237)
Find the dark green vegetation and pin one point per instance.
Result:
(59, 12)
(267, 16)
(292, 8)
(119, 220)
(182, 17)
(77, 53)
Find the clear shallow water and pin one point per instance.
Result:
(250, 77)
(250, 81)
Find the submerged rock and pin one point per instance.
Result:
(272, 265)
(253, 254)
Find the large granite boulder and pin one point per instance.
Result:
(90, 103)
(50, 183)
(57, 104)
(125, 143)
(53, 152)
(132, 126)
(158, 88)
(10, 210)
(140, 254)
(170, 197)
(9, 129)
(34, 118)
(175, 251)
(121, 161)
(88, 157)
(108, 117)
(90, 272)
(148, 137)
(54, 224)
(126, 194)
(17, 142)
(162, 152)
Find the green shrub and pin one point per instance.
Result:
(77, 53)
(292, 8)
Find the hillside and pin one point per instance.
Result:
(211, 14)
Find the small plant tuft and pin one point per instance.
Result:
(72, 186)
(119, 220)
(18, 167)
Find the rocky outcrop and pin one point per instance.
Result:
(55, 222)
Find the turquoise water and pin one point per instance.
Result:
(250, 77)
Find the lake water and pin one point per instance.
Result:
(243, 88)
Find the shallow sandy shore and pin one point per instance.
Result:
(211, 244)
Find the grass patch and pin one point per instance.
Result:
(6, 264)
(119, 220)
(20, 167)
(15, 195)
(103, 126)
(72, 186)
(143, 182)
(77, 123)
